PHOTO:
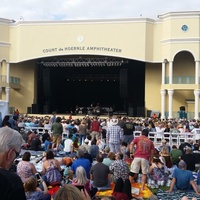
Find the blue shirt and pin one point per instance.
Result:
(85, 163)
(47, 145)
(183, 178)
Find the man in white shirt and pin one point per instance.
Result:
(68, 148)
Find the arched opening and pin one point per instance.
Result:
(184, 68)
(67, 82)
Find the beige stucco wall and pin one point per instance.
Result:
(152, 86)
(4, 41)
(26, 96)
(31, 40)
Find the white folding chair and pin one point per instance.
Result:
(182, 137)
(195, 134)
(167, 137)
(152, 136)
(136, 134)
(158, 138)
(65, 135)
(192, 136)
(175, 139)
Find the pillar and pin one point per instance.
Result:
(0, 92)
(170, 94)
(7, 94)
(171, 72)
(196, 106)
(196, 72)
(162, 92)
(163, 73)
(8, 73)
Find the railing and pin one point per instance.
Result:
(12, 79)
(38, 130)
(181, 80)
(190, 115)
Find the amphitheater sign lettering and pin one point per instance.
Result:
(82, 48)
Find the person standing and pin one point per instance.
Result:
(57, 130)
(95, 129)
(11, 186)
(128, 129)
(114, 136)
(53, 118)
(142, 156)
(82, 131)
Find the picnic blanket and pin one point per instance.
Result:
(146, 193)
(176, 195)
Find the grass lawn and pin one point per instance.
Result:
(154, 191)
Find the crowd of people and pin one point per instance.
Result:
(96, 153)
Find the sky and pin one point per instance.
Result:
(45, 10)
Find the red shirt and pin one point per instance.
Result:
(144, 146)
(95, 125)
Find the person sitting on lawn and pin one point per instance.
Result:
(158, 172)
(183, 179)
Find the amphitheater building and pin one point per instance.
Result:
(135, 65)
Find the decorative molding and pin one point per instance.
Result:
(6, 21)
(4, 44)
(182, 14)
(181, 40)
(91, 21)
(190, 101)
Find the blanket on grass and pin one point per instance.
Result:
(176, 195)
(146, 193)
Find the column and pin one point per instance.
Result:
(1, 66)
(0, 92)
(162, 92)
(170, 72)
(196, 72)
(196, 106)
(8, 73)
(163, 73)
(7, 94)
(170, 93)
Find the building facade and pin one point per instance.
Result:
(169, 47)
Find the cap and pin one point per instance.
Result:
(86, 140)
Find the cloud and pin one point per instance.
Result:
(90, 9)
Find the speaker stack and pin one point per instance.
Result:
(123, 83)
